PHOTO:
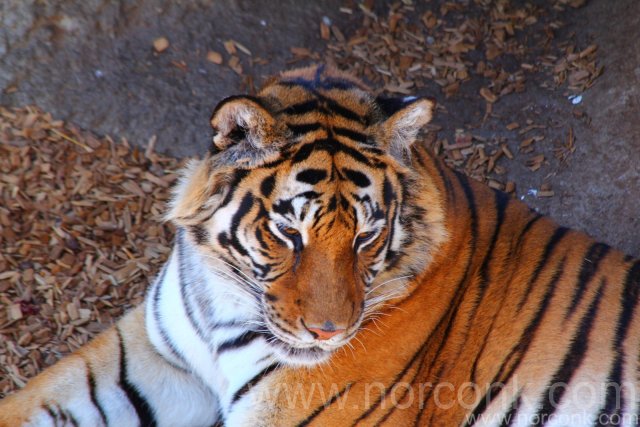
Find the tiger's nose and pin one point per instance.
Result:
(324, 332)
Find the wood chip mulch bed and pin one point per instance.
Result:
(81, 236)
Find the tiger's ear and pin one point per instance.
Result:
(404, 118)
(245, 122)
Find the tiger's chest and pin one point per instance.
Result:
(200, 329)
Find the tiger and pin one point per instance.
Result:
(329, 270)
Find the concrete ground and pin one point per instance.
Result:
(91, 62)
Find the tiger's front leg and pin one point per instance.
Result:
(118, 379)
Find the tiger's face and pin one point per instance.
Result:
(319, 234)
(308, 212)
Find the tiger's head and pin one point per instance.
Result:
(309, 202)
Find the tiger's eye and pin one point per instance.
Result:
(290, 231)
(293, 235)
(365, 236)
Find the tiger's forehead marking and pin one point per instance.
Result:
(314, 99)
(325, 111)
(328, 166)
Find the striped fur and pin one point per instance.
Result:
(329, 271)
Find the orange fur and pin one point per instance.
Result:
(498, 294)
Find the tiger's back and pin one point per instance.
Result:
(328, 270)
(516, 322)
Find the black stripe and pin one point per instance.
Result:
(260, 238)
(473, 238)
(351, 134)
(50, 412)
(356, 155)
(219, 420)
(303, 153)
(501, 201)
(389, 196)
(629, 303)
(311, 85)
(342, 111)
(613, 402)
(324, 406)
(241, 98)
(184, 283)
(252, 382)
(243, 210)
(443, 172)
(64, 416)
(301, 129)
(275, 238)
(70, 418)
(311, 195)
(471, 203)
(301, 108)
(268, 185)
(140, 404)
(229, 324)
(240, 341)
(572, 361)
(589, 267)
(94, 397)
(473, 241)
(331, 105)
(397, 378)
(510, 416)
(200, 234)
(311, 176)
(391, 105)
(525, 230)
(542, 262)
(527, 336)
(386, 416)
(163, 333)
(261, 214)
(238, 176)
(358, 178)
(517, 353)
(445, 319)
(332, 146)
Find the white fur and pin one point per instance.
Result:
(223, 374)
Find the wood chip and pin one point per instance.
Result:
(234, 64)
(325, 30)
(242, 48)
(14, 312)
(160, 44)
(535, 162)
(214, 57)
(488, 95)
(75, 265)
(230, 47)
